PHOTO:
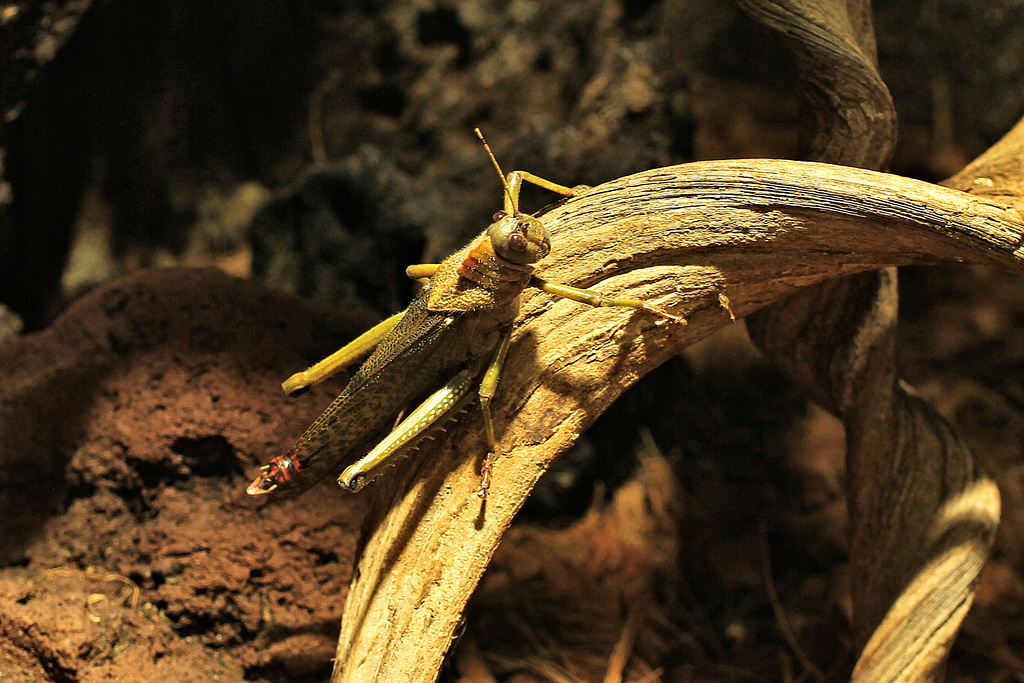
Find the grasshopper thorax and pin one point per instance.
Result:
(519, 237)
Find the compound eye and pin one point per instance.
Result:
(517, 241)
(498, 215)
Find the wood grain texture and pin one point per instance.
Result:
(998, 174)
(756, 230)
(910, 585)
(849, 115)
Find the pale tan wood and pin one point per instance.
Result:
(757, 230)
(998, 174)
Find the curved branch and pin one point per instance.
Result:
(755, 230)
(837, 340)
(998, 174)
(832, 45)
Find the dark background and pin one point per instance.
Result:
(320, 147)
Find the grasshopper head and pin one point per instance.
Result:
(519, 237)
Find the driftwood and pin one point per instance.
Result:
(922, 517)
(757, 231)
(774, 237)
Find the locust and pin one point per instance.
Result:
(426, 360)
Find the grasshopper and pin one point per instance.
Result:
(456, 329)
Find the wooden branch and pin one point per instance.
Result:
(852, 120)
(913, 569)
(998, 174)
(679, 236)
(919, 586)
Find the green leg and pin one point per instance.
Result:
(515, 180)
(421, 271)
(488, 386)
(592, 298)
(346, 355)
(441, 405)
(545, 183)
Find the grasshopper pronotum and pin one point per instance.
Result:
(457, 327)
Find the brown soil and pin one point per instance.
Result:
(129, 429)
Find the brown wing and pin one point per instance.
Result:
(415, 358)
(412, 340)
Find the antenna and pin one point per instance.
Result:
(501, 176)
